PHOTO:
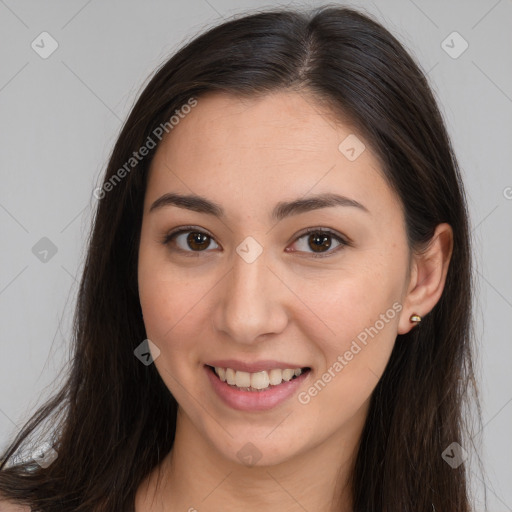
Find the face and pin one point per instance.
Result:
(247, 281)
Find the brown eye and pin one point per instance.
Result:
(319, 242)
(189, 240)
(198, 241)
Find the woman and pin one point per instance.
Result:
(275, 309)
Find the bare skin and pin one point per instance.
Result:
(286, 305)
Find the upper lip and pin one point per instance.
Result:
(253, 367)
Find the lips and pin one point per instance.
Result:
(254, 400)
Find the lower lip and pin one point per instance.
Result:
(255, 400)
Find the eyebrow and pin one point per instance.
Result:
(281, 210)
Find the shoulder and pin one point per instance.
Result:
(9, 506)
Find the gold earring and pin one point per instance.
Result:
(415, 318)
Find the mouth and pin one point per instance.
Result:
(257, 382)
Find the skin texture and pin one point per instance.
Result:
(248, 155)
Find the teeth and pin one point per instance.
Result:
(260, 380)
(276, 376)
(230, 376)
(288, 374)
(256, 381)
(242, 379)
(221, 373)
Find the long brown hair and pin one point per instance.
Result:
(114, 420)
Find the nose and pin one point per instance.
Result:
(251, 301)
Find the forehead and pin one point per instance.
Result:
(280, 122)
(264, 149)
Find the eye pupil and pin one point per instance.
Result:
(320, 241)
(195, 238)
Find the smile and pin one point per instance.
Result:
(257, 381)
(255, 391)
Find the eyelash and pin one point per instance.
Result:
(169, 237)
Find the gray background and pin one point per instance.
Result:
(60, 117)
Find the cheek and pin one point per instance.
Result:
(158, 298)
(166, 305)
(351, 301)
(363, 337)
(163, 292)
(170, 319)
(176, 308)
(354, 359)
(361, 310)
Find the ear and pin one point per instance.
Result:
(428, 276)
